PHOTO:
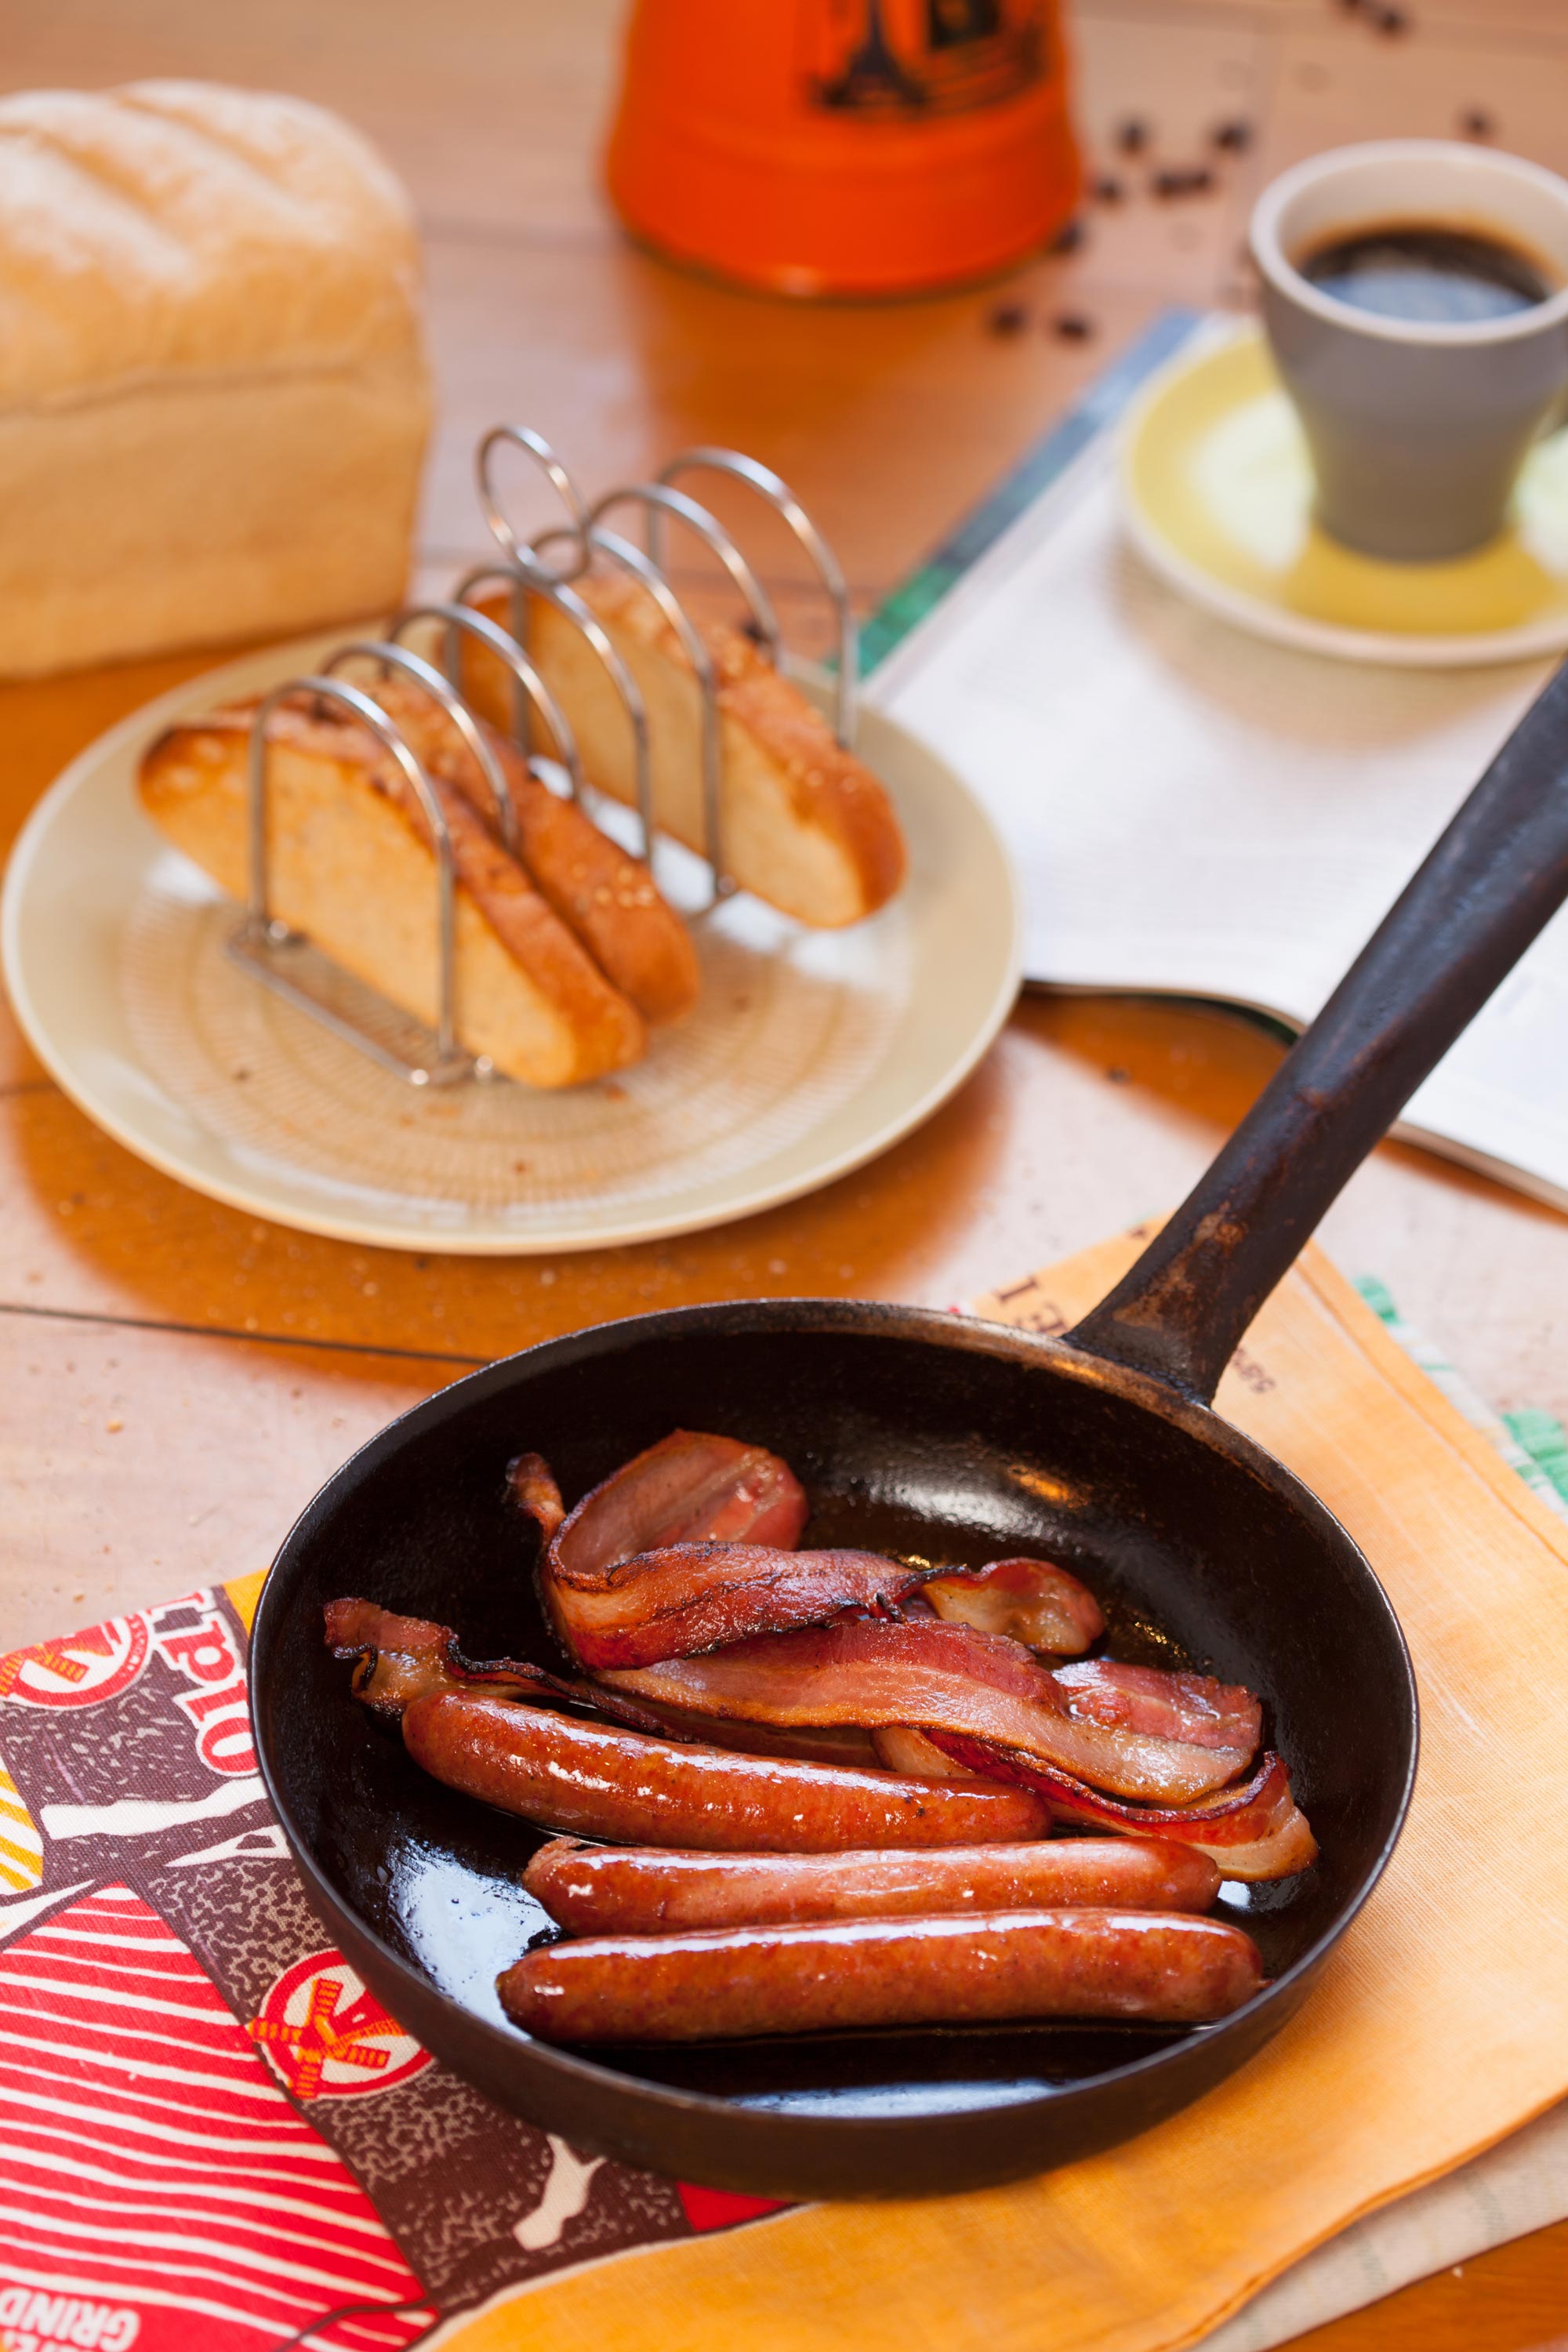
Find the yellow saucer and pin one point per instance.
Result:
(1218, 496)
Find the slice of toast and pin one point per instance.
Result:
(352, 867)
(606, 898)
(808, 826)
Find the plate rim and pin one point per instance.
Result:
(84, 770)
(1400, 649)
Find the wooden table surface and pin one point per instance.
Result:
(175, 1379)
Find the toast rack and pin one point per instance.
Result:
(543, 567)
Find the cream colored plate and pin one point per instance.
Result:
(809, 1053)
(1218, 496)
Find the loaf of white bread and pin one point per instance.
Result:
(213, 392)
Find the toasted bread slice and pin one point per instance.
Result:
(606, 896)
(808, 826)
(350, 866)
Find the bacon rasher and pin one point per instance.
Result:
(687, 1599)
(930, 1677)
(691, 1546)
(687, 1547)
(1190, 1707)
(1032, 1599)
(1255, 1831)
(400, 1659)
(692, 1487)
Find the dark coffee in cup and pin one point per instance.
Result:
(1416, 295)
(1427, 270)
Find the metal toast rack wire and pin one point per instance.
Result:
(542, 569)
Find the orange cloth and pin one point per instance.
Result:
(1438, 2026)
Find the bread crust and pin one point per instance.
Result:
(606, 898)
(808, 827)
(171, 229)
(214, 397)
(351, 864)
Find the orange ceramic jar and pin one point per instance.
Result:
(844, 146)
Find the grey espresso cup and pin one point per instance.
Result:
(1416, 427)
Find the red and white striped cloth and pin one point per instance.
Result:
(157, 2187)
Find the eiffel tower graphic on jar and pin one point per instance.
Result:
(955, 54)
(844, 147)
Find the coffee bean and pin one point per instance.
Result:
(1008, 319)
(1131, 136)
(1072, 327)
(1183, 180)
(1069, 237)
(1107, 190)
(1392, 21)
(1233, 137)
(1477, 124)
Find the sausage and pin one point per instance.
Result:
(597, 1781)
(600, 1891)
(1171, 1970)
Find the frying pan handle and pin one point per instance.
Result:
(1493, 880)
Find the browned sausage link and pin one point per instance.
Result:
(1170, 1968)
(600, 1891)
(596, 1781)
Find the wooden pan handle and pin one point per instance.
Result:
(1493, 881)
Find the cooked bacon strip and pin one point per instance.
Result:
(1191, 1707)
(1255, 1831)
(1032, 1599)
(536, 1491)
(902, 1750)
(625, 1578)
(355, 1625)
(930, 1677)
(686, 1598)
(692, 1487)
(687, 1547)
(809, 1743)
(691, 1546)
(400, 1659)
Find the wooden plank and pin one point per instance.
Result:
(888, 420)
(1180, 78)
(1500, 22)
(941, 1217)
(137, 1464)
(1089, 1115)
(482, 109)
(1339, 82)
